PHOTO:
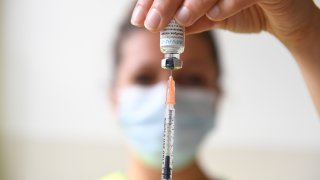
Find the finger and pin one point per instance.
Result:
(203, 24)
(140, 12)
(161, 12)
(248, 20)
(192, 10)
(227, 8)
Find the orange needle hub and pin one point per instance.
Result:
(171, 91)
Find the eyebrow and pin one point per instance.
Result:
(196, 62)
(147, 67)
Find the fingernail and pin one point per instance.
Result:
(213, 13)
(137, 16)
(183, 15)
(153, 20)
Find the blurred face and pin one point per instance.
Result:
(141, 57)
(140, 94)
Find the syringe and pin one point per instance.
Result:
(172, 40)
(167, 154)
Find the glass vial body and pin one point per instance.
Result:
(172, 38)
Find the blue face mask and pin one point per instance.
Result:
(141, 113)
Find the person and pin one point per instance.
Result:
(295, 23)
(139, 94)
(138, 91)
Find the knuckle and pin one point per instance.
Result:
(205, 3)
(236, 3)
(166, 6)
(199, 5)
(141, 3)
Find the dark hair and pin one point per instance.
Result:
(126, 28)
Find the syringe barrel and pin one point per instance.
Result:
(167, 154)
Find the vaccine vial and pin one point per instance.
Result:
(172, 39)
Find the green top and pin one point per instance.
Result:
(114, 176)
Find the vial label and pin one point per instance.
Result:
(172, 35)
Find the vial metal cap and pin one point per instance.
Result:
(171, 63)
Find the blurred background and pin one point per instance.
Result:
(56, 120)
